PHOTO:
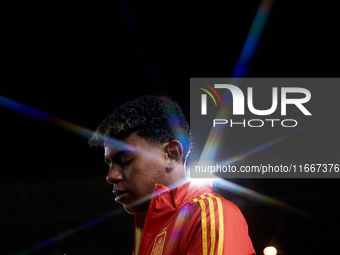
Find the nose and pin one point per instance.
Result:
(114, 176)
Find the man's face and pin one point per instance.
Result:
(134, 171)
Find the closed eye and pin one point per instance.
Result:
(126, 163)
(122, 158)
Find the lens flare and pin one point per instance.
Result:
(265, 145)
(257, 197)
(37, 114)
(70, 232)
(253, 38)
(214, 143)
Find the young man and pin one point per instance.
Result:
(146, 144)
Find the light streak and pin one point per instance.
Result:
(265, 145)
(256, 196)
(251, 42)
(211, 148)
(37, 114)
(70, 232)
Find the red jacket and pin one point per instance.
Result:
(190, 219)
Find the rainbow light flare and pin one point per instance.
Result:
(258, 197)
(211, 148)
(40, 115)
(177, 232)
(252, 39)
(265, 145)
(70, 232)
(43, 116)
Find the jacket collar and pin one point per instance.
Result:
(168, 199)
(165, 201)
(182, 194)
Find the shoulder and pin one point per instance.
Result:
(215, 225)
(211, 207)
(216, 201)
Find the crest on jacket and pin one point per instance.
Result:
(158, 245)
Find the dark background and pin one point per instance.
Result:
(79, 60)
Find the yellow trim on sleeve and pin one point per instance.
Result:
(204, 227)
(212, 226)
(221, 224)
(139, 233)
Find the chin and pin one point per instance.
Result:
(128, 209)
(133, 208)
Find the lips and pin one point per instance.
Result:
(120, 195)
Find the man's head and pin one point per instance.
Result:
(154, 141)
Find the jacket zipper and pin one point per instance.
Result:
(141, 248)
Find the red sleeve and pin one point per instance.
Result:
(216, 227)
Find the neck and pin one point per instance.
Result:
(140, 219)
(176, 176)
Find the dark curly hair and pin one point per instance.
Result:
(157, 119)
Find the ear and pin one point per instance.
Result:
(174, 150)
